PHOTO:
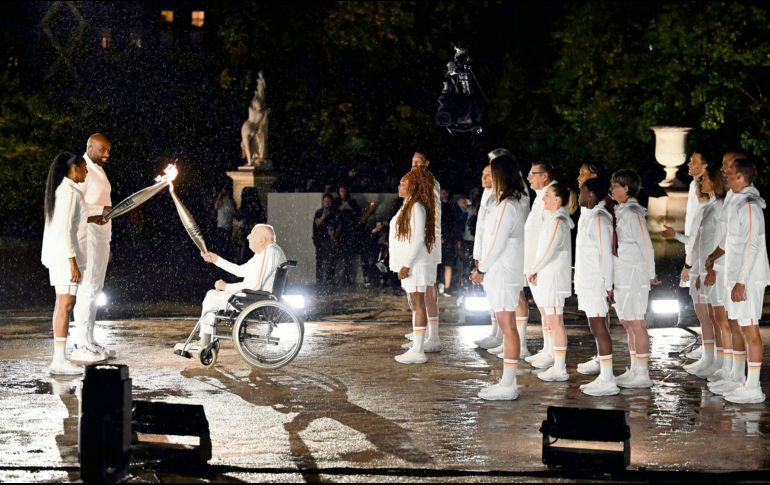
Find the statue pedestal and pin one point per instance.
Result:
(260, 178)
(669, 210)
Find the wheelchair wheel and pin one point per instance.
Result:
(209, 355)
(268, 334)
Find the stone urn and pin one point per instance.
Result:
(671, 151)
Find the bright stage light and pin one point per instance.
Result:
(476, 304)
(661, 307)
(101, 300)
(296, 301)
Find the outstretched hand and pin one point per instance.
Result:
(210, 257)
(668, 232)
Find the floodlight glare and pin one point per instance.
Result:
(101, 300)
(476, 304)
(661, 307)
(296, 301)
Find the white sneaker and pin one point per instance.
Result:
(726, 387)
(590, 367)
(65, 368)
(409, 336)
(406, 346)
(500, 355)
(87, 353)
(639, 380)
(544, 362)
(499, 392)
(745, 395)
(553, 375)
(707, 372)
(496, 350)
(719, 375)
(695, 354)
(599, 387)
(695, 369)
(625, 376)
(110, 353)
(524, 353)
(488, 342)
(538, 355)
(432, 345)
(411, 357)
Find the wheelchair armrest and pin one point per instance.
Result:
(255, 293)
(288, 264)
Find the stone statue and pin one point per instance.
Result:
(254, 129)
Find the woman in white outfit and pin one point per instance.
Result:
(593, 279)
(706, 237)
(501, 268)
(550, 275)
(412, 240)
(62, 252)
(634, 272)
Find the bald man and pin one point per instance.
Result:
(258, 273)
(96, 239)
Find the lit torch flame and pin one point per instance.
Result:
(138, 198)
(169, 174)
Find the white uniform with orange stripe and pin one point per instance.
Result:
(502, 252)
(705, 239)
(553, 264)
(593, 260)
(746, 259)
(258, 273)
(634, 266)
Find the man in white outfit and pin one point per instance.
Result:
(96, 239)
(540, 178)
(258, 273)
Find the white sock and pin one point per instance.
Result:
(727, 362)
(719, 356)
(419, 338)
(605, 368)
(90, 332)
(547, 343)
(432, 329)
(509, 372)
(707, 358)
(634, 363)
(560, 358)
(59, 345)
(739, 366)
(642, 364)
(521, 327)
(496, 332)
(752, 381)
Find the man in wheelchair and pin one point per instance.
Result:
(258, 273)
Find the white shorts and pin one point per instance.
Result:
(746, 312)
(631, 305)
(699, 297)
(593, 304)
(537, 295)
(66, 289)
(61, 274)
(420, 278)
(714, 294)
(504, 299)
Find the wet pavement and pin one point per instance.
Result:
(344, 410)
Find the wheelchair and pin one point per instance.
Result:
(265, 330)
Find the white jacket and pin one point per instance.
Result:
(532, 228)
(410, 252)
(746, 259)
(258, 273)
(636, 258)
(593, 250)
(96, 192)
(60, 236)
(487, 204)
(706, 237)
(503, 243)
(553, 264)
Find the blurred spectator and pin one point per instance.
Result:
(467, 228)
(346, 234)
(224, 205)
(368, 245)
(323, 240)
(449, 240)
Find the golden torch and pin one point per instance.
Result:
(138, 198)
(189, 223)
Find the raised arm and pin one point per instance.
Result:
(240, 270)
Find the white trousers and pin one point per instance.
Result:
(214, 301)
(84, 313)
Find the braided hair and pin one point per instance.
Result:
(421, 184)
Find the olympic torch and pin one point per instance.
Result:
(189, 223)
(138, 198)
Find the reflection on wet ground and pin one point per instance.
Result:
(344, 410)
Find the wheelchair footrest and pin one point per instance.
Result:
(183, 353)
